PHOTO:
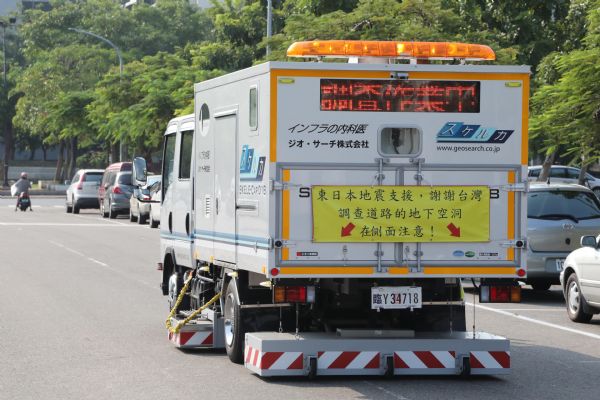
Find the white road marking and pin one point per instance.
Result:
(59, 224)
(535, 321)
(66, 248)
(115, 270)
(97, 262)
(532, 309)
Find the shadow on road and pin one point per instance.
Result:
(535, 375)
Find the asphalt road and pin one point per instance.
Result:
(81, 317)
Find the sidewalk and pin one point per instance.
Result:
(36, 192)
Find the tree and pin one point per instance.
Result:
(565, 109)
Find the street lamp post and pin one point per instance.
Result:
(269, 25)
(111, 44)
(4, 24)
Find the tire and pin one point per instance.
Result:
(234, 329)
(175, 285)
(112, 214)
(575, 301)
(541, 285)
(142, 219)
(103, 212)
(75, 207)
(132, 218)
(153, 223)
(68, 208)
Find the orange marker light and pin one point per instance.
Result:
(391, 49)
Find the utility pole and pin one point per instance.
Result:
(5, 24)
(269, 25)
(111, 44)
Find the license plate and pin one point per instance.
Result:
(396, 297)
(560, 264)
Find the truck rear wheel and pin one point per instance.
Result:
(233, 326)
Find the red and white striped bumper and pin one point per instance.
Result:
(269, 354)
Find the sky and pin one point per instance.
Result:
(7, 6)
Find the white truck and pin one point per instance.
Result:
(336, 207)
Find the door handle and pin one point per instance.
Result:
(187, 224)
(217, 205)
(170, 222)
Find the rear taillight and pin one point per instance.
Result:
(80, 186)
(146, 197)
(499, 293)
(294, 294)
(117, 190)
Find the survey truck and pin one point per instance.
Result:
(318, 217)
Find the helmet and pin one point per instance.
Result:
(24, 175)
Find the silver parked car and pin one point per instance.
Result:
(140, 210)
(580, 280)
(558, 215)
(83, 190)
(564, 174)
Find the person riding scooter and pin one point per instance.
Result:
(22, 186)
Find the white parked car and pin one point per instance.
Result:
(139, 207)
(83, 190)
(564, 174)
(580, 280)
(155, 196)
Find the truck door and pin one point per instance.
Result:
(182, 194)
(225, 186)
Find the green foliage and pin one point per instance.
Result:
(565, 109)
(68, 84)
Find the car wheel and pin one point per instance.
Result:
(541, 286)
(234, 329)
(132, 218)
(153, 223)
(142, 219)
(112, 214)
(103, 210)
(575, 301)
(68, 208)
(75, 207)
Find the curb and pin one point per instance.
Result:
(37, 193)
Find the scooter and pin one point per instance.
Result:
(24, 202)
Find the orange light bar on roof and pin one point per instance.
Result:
(391, 49)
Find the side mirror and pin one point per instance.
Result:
(139, 171)
(588, 241)
(67, 182)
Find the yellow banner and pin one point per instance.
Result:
(401, 213)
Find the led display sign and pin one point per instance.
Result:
(400, 95)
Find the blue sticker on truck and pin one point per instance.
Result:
(459, 132)
(252, 166)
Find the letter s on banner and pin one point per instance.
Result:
(304, 192)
